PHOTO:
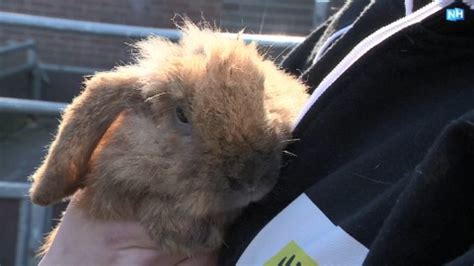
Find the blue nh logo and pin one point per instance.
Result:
(454, 14)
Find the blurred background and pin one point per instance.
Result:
(43, 60)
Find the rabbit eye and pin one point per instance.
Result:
(181, 116)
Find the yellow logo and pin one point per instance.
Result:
(291, 255)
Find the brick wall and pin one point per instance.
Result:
(266, 16)
(152, 13)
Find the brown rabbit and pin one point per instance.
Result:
(181, 140)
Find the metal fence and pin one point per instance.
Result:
(108, 29)
(35, 220)
(32, 222)
(103, 29)
(31, 64)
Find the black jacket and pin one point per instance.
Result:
(387, 151)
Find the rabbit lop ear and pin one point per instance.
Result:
(84, 122)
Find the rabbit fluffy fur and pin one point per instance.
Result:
(181, 140)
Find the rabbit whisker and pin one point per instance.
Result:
(290, 141)
(290, 153)
(155, 96)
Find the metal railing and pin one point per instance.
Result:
(117, 30)
(98, 28)
(23, 106)
(33, 220)
(69, 69)
(14, 47)
(31, 64)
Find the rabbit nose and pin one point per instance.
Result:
(254, 170)
(241, 184)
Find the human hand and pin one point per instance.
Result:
(81, 240)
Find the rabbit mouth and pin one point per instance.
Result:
(259, 193)
(243, 196)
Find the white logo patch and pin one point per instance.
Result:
(301, 232)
